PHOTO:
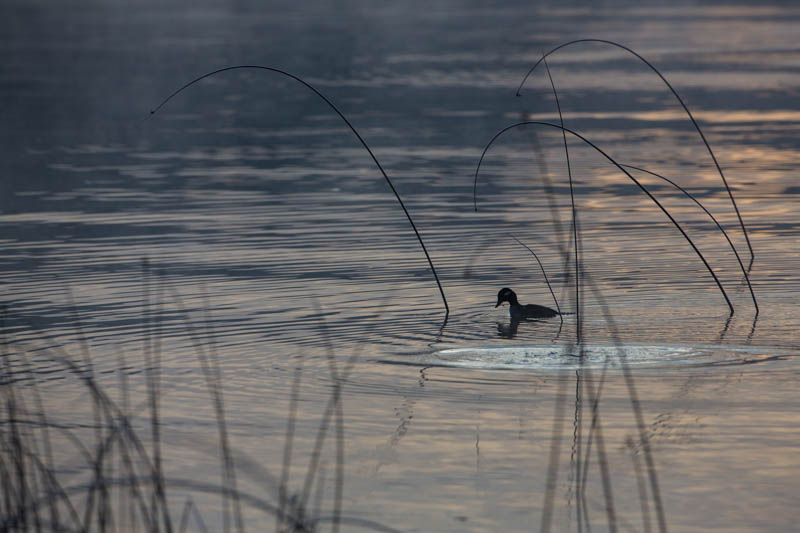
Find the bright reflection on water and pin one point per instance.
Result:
(244, 220)
(575, 358)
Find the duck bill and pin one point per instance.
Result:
(498, 305)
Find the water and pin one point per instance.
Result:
(269, 233)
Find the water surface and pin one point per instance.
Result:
(246, 214)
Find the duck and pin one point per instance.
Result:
(522, 312)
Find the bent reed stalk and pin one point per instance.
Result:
(578, 316)
(628, 174)
(681, 189)
(31, 486)
(680, 101)
(541, 266)
(349, 125)
(719, 226)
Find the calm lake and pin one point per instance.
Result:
(240, 252)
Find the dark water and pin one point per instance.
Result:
(267, 228)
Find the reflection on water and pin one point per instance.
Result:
(270, 235)
(572, 358)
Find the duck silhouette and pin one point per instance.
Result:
(522, 312)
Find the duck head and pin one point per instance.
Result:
(506, 295)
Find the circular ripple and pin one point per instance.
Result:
(597, 356)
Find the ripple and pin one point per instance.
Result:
(567, 357)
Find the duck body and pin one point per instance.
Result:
(521, 312)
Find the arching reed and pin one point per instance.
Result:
(349, 125)
(680, 101)
(546, 280)
(628, 174)
(716, 222)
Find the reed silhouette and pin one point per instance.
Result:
(574, 212)
(36, 497)
(349, 125)
(745, 271)
(544, 273)
(677, 97)
(694, 199)
(626, 173)
(594, 439)
(122, 481)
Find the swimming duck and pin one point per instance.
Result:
(521, 312)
